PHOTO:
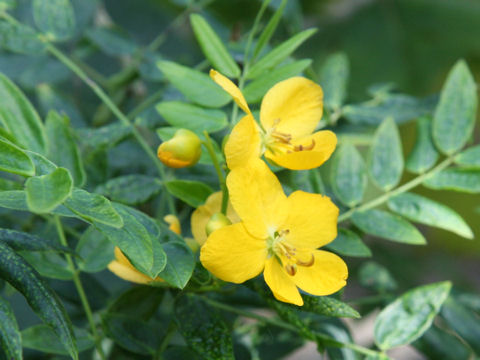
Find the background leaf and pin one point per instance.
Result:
(180, 264)
(95, 251)
(385, 161)
(348, 243)
(334, 80)
(407, 318)
(454, 117)
(424, 154)
(469, 158)
(463, 180)
(213, 47)
(10, 339)
(55, 18)
(14, 160)
(194, 193)
(130, 189)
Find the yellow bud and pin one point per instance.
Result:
(174, 223)
(217, 221)
(183, 150)
(192, 244)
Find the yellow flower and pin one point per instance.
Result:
(124, 269)
(289, 113)
(202, 215)
(278, 235)
(183, 150)
(174, 223)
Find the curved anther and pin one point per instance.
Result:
(303, 148)
(291, 269)
(307, 263)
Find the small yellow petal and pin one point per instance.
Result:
(174, 223)
(233, 255)
(326, 276)
(258, 198)
(243, 144)
(294, 106)
(324, 145)
(203, 213)
(281, 284)
(122, 267)
(231, 89)
(312, 220)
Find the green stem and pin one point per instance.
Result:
(79, 287)
(401, 189)
(172, 328)
(279, 323)
(218, 169)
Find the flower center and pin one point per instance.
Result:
(287, 254)
(279, 142)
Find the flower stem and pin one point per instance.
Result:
(279, 323)
(221, 177)
(401, 189)
(79, 287)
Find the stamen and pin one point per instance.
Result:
(307, 263)
(302, 148)
(291, 269)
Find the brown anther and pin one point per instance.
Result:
(291, 269)
(307, 263)
(282, 137)
(303, 148)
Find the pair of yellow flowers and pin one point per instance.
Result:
(270, 232)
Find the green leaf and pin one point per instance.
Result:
(195, 118)
(327, 306)
(455, 114)
(401, 108)
(194, 193)
(349, 176)
(462, 180)
(42, 338)
(19, 240)
(105, 136)
(55, 18)
(376, 277)
(111, 42)
(43, 166)
(10, 339)
(20, 118)
(133, 239)
(130, 189)
(139, 302)
(39, 296)
(388, 226)
(334, 80)
(49, 264)
(93, 208)
(213, 47)
(267, 33)
(279, 53)
(256, 89)
(180, 264)
(95, 251)
(469, 158)
(7, 4)
(424, 154)
(46, 192)
(19, 38)
(408, 317)
(463, 321)
(425, 211)
(385, 162)
(15, 160)
(203, 328)
(61, 146)
(439, 344)
(348, 243)
(196, 86)
(17, 200)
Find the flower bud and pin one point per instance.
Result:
(192, 244)
(217, 221)
(174, 223)
(183, 150)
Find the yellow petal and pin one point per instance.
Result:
(312, 220)
(258, 198)
(281, 284)
(173, 222)
(230, 88)
(243, 144)
(324, 145)
(233, 255)
(295, 103)
(326, 276)
(122, 267)
(203, 213)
